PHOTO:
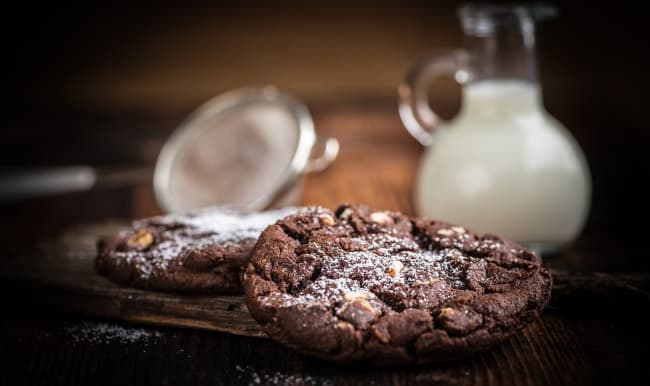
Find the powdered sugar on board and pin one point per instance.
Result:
(253, 376)
(106, 333)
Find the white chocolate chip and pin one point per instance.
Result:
(327, 220)
(446, 312)
(380, 217)
(458, 229)
(141, 240)
(395, 268)
(346, 214)
(445, 232)
(344, 326)
(365, 305)
(357, 304)
(382, 335)
(350, 296)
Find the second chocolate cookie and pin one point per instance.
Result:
(368, 285)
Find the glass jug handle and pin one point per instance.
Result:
(414, 109)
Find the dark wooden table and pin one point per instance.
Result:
(600, 343)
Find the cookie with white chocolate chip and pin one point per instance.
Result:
(202, 251)
(376, 286)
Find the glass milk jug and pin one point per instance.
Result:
(503, 165)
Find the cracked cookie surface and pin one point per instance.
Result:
(202, 251)
(367, 285)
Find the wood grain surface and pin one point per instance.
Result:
(596, 339)
(105, 84)
(63, 278)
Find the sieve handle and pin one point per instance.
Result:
(21, 184)
(320, 161)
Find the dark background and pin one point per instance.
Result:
(103, 84)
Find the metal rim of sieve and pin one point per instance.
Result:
(186, 132)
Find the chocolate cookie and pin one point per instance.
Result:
(203, 251)
(378, 286)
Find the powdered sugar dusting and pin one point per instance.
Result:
(386, 263)
(225, 225)
(177, 235)
(378, 265)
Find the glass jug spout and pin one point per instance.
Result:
(500, 40)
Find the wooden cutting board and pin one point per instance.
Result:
(61, 276)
